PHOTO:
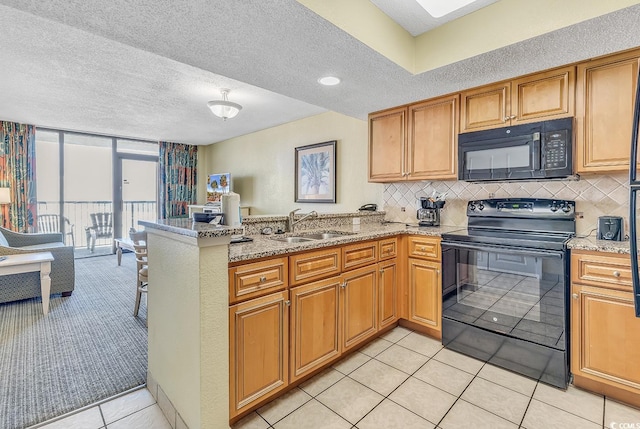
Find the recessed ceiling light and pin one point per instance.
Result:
(440, 8)
(329, 80)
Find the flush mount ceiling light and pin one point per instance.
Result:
(329, 80)
(440, 8)
(224, 108)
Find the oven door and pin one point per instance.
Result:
(514, 157)
(517, 293)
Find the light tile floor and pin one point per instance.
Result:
(407, 380)
(135, 410)
(401, 380)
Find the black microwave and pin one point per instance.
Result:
(541, 150)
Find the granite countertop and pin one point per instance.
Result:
(590, 243)
(190, 228)
(264, 246)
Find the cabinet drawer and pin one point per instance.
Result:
(309, 266)
(359, 255)
(256, 279)
(601, 269)
(388, 248)
(424, 247)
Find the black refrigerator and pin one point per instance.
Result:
(634, 185)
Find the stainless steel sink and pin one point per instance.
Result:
(293, 239)
(311, 236)
(325, 235)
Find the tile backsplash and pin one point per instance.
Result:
(594, 196)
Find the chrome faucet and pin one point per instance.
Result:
(292, 220)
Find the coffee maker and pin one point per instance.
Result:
(429, 214)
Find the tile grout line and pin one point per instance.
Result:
(390, 393)
(460, 396)
(528, 404)
(102, 416)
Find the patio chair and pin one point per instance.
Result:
(101, 227)
(139, 239)
(48, 223)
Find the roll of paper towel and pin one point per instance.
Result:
(231, 209)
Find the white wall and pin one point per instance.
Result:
(262, 164)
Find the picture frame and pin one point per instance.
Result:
(315, 173)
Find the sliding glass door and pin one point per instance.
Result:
(86, 179)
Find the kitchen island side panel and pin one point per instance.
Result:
(188, 325)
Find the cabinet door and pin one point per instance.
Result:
(258, 349)
(605, 96)
(387, 141)
(549, 95)
(315, 325)
(485, 108)
(387, 293)
(359, 305)
(433, 139)
(425, 293)
(605, 337)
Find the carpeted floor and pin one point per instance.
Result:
(88, 348)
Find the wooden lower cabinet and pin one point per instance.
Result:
(425, 293)
(387, 293)
(359, 305)
(605, 334)
(258, 350)
(315, 325)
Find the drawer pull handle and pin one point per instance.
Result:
(616, 274)
(381, 270)
(263, 279)
(574, 296)
(423, 249)
(343, 285)
(287, 303)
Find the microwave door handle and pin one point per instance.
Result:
(536, 150)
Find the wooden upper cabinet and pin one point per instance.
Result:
(432, 145)
(418, 142)
(548, 95)
(485, 108)
(387, 141)
(605, 97)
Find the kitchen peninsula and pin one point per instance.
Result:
(188, 323)
(190, 304)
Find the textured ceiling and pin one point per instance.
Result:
(146, 69)
(413, 18)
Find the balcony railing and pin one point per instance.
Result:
(78, 214)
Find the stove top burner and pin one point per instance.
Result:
(523, 239)
(518, 222)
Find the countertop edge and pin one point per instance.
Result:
(189, 228)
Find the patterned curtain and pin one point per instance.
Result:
(18, 172)
(178, 184)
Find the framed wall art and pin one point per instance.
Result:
(315, 180)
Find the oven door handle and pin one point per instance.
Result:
(488, 248)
